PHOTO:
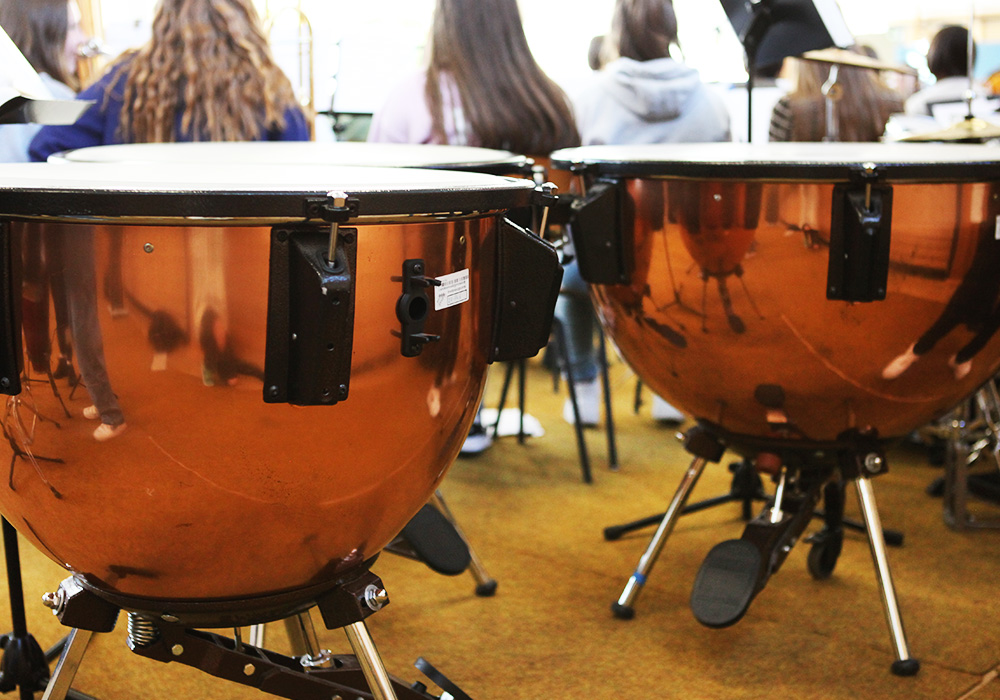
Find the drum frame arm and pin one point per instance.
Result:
(310, 317)
(11, 356)
(597, 225)
(529, 277)
(860, 233)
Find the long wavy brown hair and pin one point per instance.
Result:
(210, 60)
(507, 100)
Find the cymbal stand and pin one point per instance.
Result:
(316, 674)
(23, 665)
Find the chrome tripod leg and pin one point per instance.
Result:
(623, 606)
(68, 664)
(371, 663)
(305, 643)
(486, 585)
(904, 665)
(255, 635)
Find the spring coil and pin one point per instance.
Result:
(142, 631)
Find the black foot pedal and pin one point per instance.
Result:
(726, 583)
(439, 679)
(436, 542)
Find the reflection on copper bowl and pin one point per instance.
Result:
(727, 301)
(219, 488)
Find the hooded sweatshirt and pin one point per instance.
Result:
(658, 101)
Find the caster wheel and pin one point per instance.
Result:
(822, 559)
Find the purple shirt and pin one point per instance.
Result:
(405, 117)
(99, 125)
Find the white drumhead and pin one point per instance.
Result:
(784, 160)
(175, 191)
(301, 153)
(218, 177)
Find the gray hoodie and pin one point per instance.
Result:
(658, 101)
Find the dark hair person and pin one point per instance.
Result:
(862, 106)
(642, 30)
(207, 74)
(948, 61)
(482, 87)
(642, 94)
(47, 32)
(948, 55)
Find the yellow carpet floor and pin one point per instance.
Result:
(549, 633)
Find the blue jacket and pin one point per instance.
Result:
(99, 125)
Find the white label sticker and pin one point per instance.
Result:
(453, 290)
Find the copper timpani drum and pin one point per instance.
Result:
(805, 303)
(797, 291)
(286, 415)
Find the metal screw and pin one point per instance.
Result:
(167, 617)
(873, 463)
(5, 382)
(177, 650)
(273, 391)
(375, 597)
(148, 247)
(248, 670)
(717, 197)
(342, 389)
(53, 601)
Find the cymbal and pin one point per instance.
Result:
(969, 129)
(844, 57)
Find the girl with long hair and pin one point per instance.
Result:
(207, 74)
(482, 87)
(643, 94)
(48, 34)
(862, 105)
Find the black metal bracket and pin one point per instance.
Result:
(528, 279)
(310, 316)
(864, 457)
(11, 356)
(328, 209)
(269, 672)
(860, 228)
(413, 306)
(597, 227)
(78, 607)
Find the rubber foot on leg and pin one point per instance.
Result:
(905, 667)
(622, 612)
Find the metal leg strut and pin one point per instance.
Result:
(486, 585)
(622, 608)
(904, 665)
(371, 663)
(68, 664)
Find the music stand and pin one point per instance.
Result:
(771, 30)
